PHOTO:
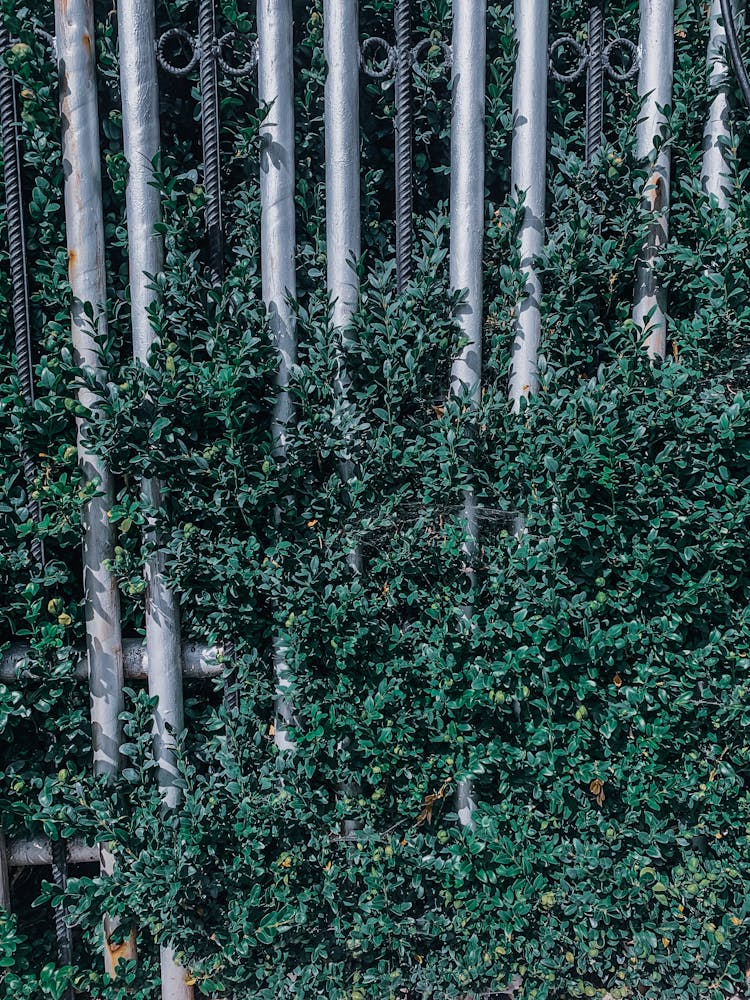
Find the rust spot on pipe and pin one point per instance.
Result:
(72, 257)
(116, 952)
(86, 39)
(654, 193)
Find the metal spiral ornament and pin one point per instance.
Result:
(210, 131)
(404, 145)
(20, 308)
(595, 60)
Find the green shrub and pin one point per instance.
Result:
(598, 694)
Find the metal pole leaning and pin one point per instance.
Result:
(467, 242)
(277, 234)
(716, 174)
(656, 48)
(141, 136)
(528, 180)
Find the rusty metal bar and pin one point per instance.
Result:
(528, 171)
(198, 662)
(716, 171)
(277, 235)
(656, 48)
(467, 242)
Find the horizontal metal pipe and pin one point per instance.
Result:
(198, 661)
(528, 180)
(84, 223)
(656, 51)
(32, 852)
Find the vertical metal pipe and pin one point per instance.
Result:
(528, 170)
(17, 261)
(277, 234)
(141, 137)
(209, 82)
(74, 24)
(467, 243)
(595, 81)
(656, 50)
(343, 236)
(716, 172)
(404, 142)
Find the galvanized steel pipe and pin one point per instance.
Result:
(467, 242)
(716, 171)
(343, 236)
(528, 180)
(74, 25)
(656, 50)
(277, 234)
(141, 139)
(140, 111)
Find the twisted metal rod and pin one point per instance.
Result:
(20, 308)
(595, 81)
(210, 131)
(21, 313)
(404, 139)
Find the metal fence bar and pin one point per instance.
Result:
(20, 309)
(467, 242)
(141, 138)
(4, 879)
(343, 225)
(209, 82)
(656, 48)
(528, 170)
(716, 170)
(404, 144)
(85, 237)
(277, 235)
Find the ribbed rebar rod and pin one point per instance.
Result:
(404, 144)
(656, 50)
(277, 233)
(19, 278)
(595, 81)
(141, 140)
(528, 181)
(210, 131)
(467, 242)
(716, 170)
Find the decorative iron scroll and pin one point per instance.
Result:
(209, 52)
(382, 61)
(595, 59)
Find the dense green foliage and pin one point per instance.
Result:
(599, 691)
